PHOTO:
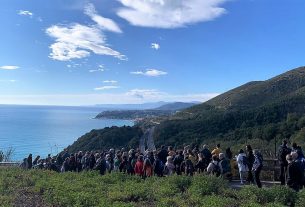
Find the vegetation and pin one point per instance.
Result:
(47, 188)
(261, 113)
(133, 114)
(162, 111)
(6, 155)
(175, 106)
(109, 137)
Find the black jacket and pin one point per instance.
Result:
(295, 175)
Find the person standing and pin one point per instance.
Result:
(242, 165)
(177, 162)
(217, 150)
(225, 167)
(139, 166)
(257, 167)
(295, 172)
(284, 150)
(30, 163)
(206, 153)
(251, 159)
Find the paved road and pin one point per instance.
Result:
(150, 139)
(147, 140)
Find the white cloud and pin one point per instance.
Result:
(77, 41)
(110, 81)
(103, 98)
(169, 13)
(150, 72)
(9, 67)
(106, 88)
(155, 46)
(104, 23)
(144, 93)
(97, 70)
(25, 13)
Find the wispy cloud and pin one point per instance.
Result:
(103, 23)
(8, 81)
(169, 13)
(77, 41)
(145, 93)
(25, 13)
(100, 68)
(110, 81)
(150, 72)
(102, 88)
(155, 46)
(39, 19)
(9, 67)
(133, 96)
(97, 70)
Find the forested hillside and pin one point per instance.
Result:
(261, 113)
(260, 110)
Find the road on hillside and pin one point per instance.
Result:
(147, 140)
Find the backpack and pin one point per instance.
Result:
(225, 164)
(160, 165)
(216, 170)
(245, 161)
(283, 152)
(260, 158)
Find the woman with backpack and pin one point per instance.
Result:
(214, 168)
(202, 163)
(169, 168)
(257, 167)
(242, 163)
(225, 166)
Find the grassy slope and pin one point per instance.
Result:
(91, 189)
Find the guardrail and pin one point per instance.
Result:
(9, 164)
(270, 171)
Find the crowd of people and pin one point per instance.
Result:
(167, 161)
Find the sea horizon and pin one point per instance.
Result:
(42, 130)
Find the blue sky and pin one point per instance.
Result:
(76, 52)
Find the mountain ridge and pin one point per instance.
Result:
(259, 112)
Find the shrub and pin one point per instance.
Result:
(207, 185)
(277, 194)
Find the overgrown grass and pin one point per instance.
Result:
(91, 189)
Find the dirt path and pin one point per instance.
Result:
(27, 198)
(235, 184)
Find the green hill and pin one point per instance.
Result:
(109, 137)
(176, 106)
(261, 113)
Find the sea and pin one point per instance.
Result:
(43, 130)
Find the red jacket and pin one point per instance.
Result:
(138, 169)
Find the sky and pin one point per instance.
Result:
(73, 52)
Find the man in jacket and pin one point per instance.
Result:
(282, 153)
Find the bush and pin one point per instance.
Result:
(207, 185)
(278, 194)
(121, 190)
